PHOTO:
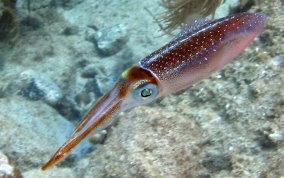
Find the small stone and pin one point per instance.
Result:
(68, 31)
(2, 63)
(203, 176)
(45, 128)
(6, 170)
(265, 142)
(82, 98)
(3, 159)
(218, 162)
(89, 71)
(111, 40)
(31, 23)
(110, 69)
(92, 86)
(54, 172)
(278, 61)
(277, 136)
(224, 9)
(99, 138)
(65, 3)
(38, 85)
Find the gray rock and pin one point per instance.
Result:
(217, 162)
(111, 40)
(7, 170)
(106, 78)
(2, 63)
(54, 172)
(277, 136)
(89, 71)
(31, 131)
(30, 23)
(265, 142)
(70, 30)
(38, 85)
(95, 78)
(32, 4)
(65, 3)
(110, 69)
(225, 8)
(37, 4)
(278, 61)
(99, 138)
(79, 99)
(157, 143)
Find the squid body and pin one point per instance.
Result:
(191, 56)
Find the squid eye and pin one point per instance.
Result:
(145, 91)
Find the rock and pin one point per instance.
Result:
(38, 85)
(6, 170)
(148, 142)
(265, 142)
(99, 138)
(92, 86)
(224, 9)
(31, 23)
(217, 162)
(277, 136)
(203, 176)
(110, 69)
(267, 138)
(38, 4)
(54, 172)
(31, 131)
(80, 97)
(65, 3)
(111, 40)
(9, 26)
(2, 63)
(89, 71)
(91, 81)
(32, 5)
(71, 30)
(107, 75)
(278, 61)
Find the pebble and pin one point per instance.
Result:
(6, 170)
(277, 136)
(89, 71)
(218, 162)
(38, 85)
(99, 138)
(278, 61)
(111, 40)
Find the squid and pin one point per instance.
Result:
(191, 56)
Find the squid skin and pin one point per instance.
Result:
(190, 57)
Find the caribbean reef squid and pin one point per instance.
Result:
(191, 56)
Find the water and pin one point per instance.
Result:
(65, 57)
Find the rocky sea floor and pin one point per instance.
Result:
(71, 52)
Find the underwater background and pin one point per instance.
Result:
(58, 57)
